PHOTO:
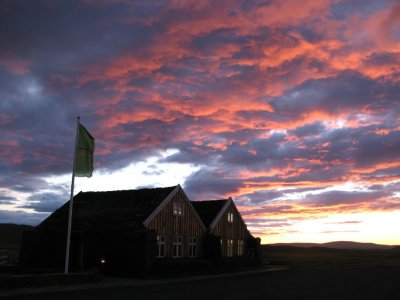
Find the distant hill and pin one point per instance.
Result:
(339, 245)
(11, 234)
(355, 245)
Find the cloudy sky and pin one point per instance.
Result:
(290, 107)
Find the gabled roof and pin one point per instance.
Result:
(164, 202)
(111, 209)
(210, 210)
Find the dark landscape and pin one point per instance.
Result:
(313, 272)
(323, 258)
(10, 239)
(374, 283)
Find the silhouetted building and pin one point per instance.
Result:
(128, 231)
(225, 226)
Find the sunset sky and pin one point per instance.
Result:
(290, 107)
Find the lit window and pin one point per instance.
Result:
(192, 246)
(177, 246)
(160, 245)
(229, 248)
(177, 209)
(240, 248)
(230, 217)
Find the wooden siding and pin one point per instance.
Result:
(236, 230)
(185, 225)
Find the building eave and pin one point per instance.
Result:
(155, 212)
(193, 210)
(165, 202)
(220, 214)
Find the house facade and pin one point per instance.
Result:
(225, 224)
(179, 230)
(121, 231)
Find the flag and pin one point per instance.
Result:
(84, 153)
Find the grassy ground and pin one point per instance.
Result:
(325, 258)
(315, 274)
(376, 283)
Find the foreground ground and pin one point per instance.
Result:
(373, 283)
(313, 274)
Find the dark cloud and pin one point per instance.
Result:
(261, 153)
(21, 217)
(217, 181)
(374, 148)
(346, 91)
(260, 197)
(84, 33)
(153, 170)
(211, 41)
(45, 202)
(309, 129)
(7, 200)
(334, 198)
(22, 182)
(344, 9)
(382, 59)
(267, 99)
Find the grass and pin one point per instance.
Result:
(325, 258)
(315, 273)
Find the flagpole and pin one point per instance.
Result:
(71, 202)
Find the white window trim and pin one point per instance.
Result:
(240, 248)
(161, 243)
(192, 245)
(229, 248)
(177, 246)
(177, 209)
(230, 217)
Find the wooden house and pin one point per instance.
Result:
(128, 231)
(224, 222)
(179, 229)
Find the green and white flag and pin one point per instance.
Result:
(84, 153)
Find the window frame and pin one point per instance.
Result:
(177, 246)
(230, 217)
(229, 247)
(177, 209)
(240, 248)
(192, 246)
(161, 240)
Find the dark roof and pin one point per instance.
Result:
(108, 210)
(208, 210)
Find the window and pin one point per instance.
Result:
(240, 248)
(229, 248)
(160, 245)
(177, 246)
(230, 217)
(177, 209)
(193, 246)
